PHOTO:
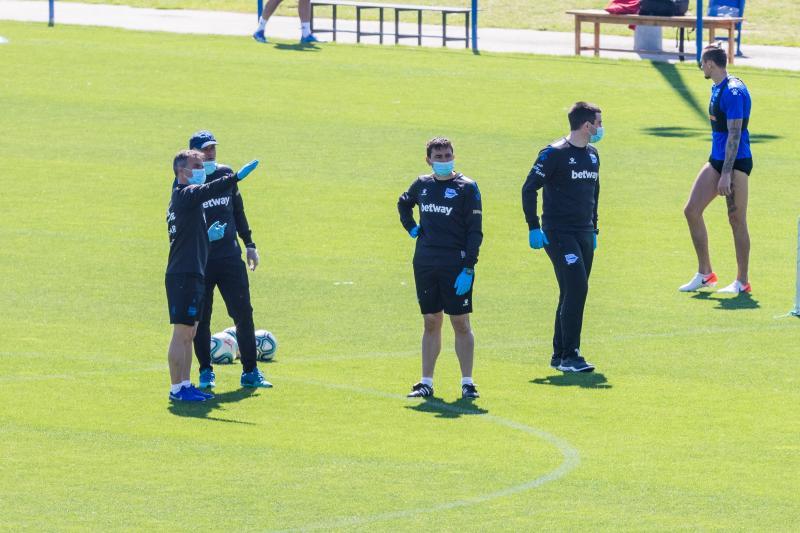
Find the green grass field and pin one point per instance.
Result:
(767, 21)
(690, 423)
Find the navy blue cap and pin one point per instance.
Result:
(201, 139)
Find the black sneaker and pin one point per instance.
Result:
(575, 364)
(468, 390)
(420, 390)
(555, 361)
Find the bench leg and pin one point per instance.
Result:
(396, 26)
(711, 35)
(312, 18)
(596, 39)
(419, 28)
(577, 36)
(358, 24)
(731, 55)
(466, 33)
(682, 32)
(334, 23)
(444, 28)
(381, 25)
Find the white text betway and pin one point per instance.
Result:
(214, 202)
(585, 175)
(433, 208)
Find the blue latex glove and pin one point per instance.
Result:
(414, 232)
(594, 242)
(247, 169)
(216, 231)
(464, 281)
(537, 239)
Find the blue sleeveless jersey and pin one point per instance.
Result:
(730, 100)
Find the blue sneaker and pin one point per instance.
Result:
(309, 39)
(259, 36)
(207, 379)
(255, 379)
(206, 395)
(185, 394)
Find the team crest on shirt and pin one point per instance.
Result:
(593, 158)
(450, 193)
(424, 192)
(572, 161)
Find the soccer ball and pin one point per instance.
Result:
(232, 332)
(223, 348)
(266, 345)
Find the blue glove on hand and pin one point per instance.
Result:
(247, 169)
(537, 239)
(594, 242)
(464, 281)
(414, 232)
(216, 231)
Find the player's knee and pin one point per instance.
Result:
(433, 323)
(692, 213)
(737, 220)
(461, 325)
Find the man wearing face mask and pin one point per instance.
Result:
(725, 174)
(449, 236)
(188, 251)
(569, 172)
(226, 270)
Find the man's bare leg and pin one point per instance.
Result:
(737, 216)
(465, 343)
(176, 356)
(703, 192)
(431, 342)
(304, 10)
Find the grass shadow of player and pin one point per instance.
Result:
(743, 300)
(593, 380)
(684, 132)
(443, 409)
(298, 47)
(204, 409)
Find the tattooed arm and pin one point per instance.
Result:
(725, 186)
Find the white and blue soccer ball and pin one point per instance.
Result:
(266, 345)
(232, 332)
(223, 348)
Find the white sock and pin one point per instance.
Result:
(306, 28)
(262, 23)
(427, 381)
(175, 388)
(186, 383)
(466, 381)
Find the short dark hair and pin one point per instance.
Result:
(714, 52)
(438, 143)
(582, 112)
(181, 157)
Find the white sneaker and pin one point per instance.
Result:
(699, 281)
(735, 288)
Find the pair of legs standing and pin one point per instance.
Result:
(572, 254)
(303, 10)
(703, 193)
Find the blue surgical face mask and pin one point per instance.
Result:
(210, 167)
(443, 169)
(597, 135)
(198, 176)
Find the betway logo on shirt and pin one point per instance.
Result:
(433, 208)
(585, 175)
(214, 202)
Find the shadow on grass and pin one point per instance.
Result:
(593, 380)
(297, 47)
(204, 409)
(743, 300)
(443, 409)
(683, 132)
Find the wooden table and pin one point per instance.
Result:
(599, 16)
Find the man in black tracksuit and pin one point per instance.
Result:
(225, 269)
(569, 172)
(188, 251)
(448, 237)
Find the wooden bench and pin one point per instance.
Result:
(398, 9)
(599, 16)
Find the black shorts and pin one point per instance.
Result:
(185, 298)
(745, 164)
(436, 291)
